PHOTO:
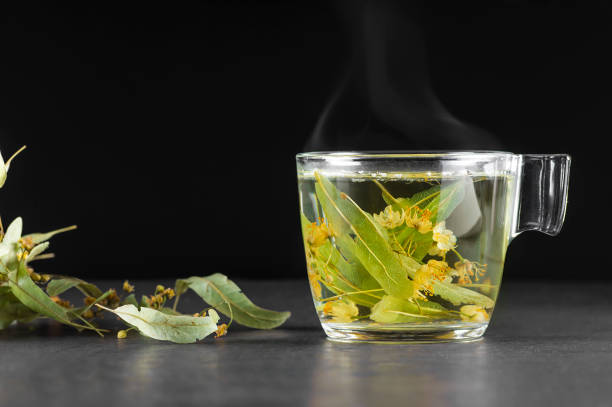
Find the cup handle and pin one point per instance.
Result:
(543, 185)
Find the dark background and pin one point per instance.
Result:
(168, 133)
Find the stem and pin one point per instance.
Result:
(398, 243)
(98, 330)
(458, 255)
(386, 192)
(97, 300)
(176, 300)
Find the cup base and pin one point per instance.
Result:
(410, 334)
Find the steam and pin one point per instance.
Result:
(386, 100)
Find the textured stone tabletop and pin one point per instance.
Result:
(548, 344)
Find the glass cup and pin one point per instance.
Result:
(411, 246)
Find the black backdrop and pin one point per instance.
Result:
(168, 133)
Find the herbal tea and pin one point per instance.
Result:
(396, 253)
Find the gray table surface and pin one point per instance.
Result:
(547, 344)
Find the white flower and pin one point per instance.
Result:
(389, 218)
(444, 237)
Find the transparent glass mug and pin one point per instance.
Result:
(411, 246)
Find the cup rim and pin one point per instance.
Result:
(403, 154)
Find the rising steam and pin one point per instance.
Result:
(386, 100)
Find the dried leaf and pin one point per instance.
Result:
(43, 237)
(161, 326)
(11, 309)
(33, 297)
(60, 284)
(226, 297)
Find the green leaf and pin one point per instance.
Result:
(440, 201)
(11, 309)
(347, 276)
(424, 198)
(397, 310)
(43, 237)
(342, 277)
(371, 246)
(445, 203)
(33, 297)
(61, 284)
(164, 327)
(226, 297)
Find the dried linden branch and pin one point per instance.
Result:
(26, 295)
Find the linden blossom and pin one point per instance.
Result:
(26, 295)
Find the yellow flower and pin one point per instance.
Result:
(389, 218)
(419, 219)
(221, 330)
(341, 311)
(169, 292)
(60, 302)
(127, 287)
(89, 300)
(122, 334)
(26, 243)
(473, 313)
(425, 276)
(444, 237)
(465, 269)
(317, 234)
